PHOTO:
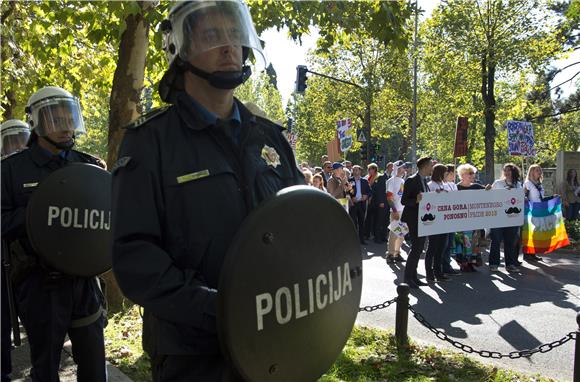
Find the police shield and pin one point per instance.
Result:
(68, 220)
(290, 287)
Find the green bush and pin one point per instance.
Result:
(573, 230)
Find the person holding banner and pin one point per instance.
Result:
(450, 186)
(50, 304)
(510, 179)
(468, 242)
(413, 187)
(437, 243)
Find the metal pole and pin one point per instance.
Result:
(414, 113)
(577, 351)
(402, 316)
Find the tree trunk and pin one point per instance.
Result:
(488, 95)
(8, 104)
(125, 95)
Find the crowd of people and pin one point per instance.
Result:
(380, 201)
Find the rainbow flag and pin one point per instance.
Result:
(544, 229)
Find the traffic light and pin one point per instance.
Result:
(301, 71)
(363, 151)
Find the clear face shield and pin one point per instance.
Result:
(57, 115)
(14, 140)
(206, 25)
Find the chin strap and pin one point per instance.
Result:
(221, 80)
(62, 145)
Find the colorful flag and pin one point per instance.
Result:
(544, 229)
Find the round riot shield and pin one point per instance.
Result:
(290, 287)
(68, 220)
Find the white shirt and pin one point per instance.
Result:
(501, 184)
(450, 186)
(534, 195)
(395, 186)
(434, 186)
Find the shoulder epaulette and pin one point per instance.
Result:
(92, 159)
(14, 153)
(266, 121)
(147, 117)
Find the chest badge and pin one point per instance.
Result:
(270, 156)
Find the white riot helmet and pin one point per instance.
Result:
(15, 134)
(52, 110)
(195, 27)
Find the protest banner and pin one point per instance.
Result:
(344, 130)
(544, 229)
(460, 148)
(468, 210)
(520, 138)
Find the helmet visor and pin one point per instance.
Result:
(54, 115)
(208, 25)
(14, 140)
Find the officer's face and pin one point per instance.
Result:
(208, 30)
(61, 121)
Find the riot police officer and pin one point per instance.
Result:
(14, 134)
(186, 177)
(50, 304)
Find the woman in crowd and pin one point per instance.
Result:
(534, 192)
(449, 186)
(437, 243)
(307, 175)
(510, 179)
(468, 250)
(570, 199)
(318, 182)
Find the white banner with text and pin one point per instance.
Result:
(470, 209)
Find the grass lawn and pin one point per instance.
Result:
(369, 355)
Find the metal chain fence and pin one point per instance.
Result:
(468, 349)
(372, 308)
(492, 354)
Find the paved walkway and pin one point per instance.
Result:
(496, 311)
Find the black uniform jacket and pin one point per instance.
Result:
(379, 190)
(181, 189)
(21, 174)
(412, 188)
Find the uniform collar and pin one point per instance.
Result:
(198, 117)
(42, 156)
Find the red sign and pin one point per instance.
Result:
(460, 149)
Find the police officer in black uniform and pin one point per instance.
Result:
(186, 178)
(14, 135)
(50, 304)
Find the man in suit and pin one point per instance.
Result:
(327, 170)
(414, 186)
(378, 207)
(359, 195)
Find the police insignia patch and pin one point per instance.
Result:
(270, 156)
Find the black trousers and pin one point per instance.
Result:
(417, 244)
(437, 244)
(6, 333)
(370, 221)
(357, 213)
(381, 222)
(189, 368)
(47, 307)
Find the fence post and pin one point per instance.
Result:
(402, 316)
(577, 351)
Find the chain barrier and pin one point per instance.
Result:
(492, 354)
(372, 308)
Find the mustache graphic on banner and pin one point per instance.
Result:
(513, 210)
(428, 217)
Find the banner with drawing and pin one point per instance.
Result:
(344, 130)
(457, 211)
